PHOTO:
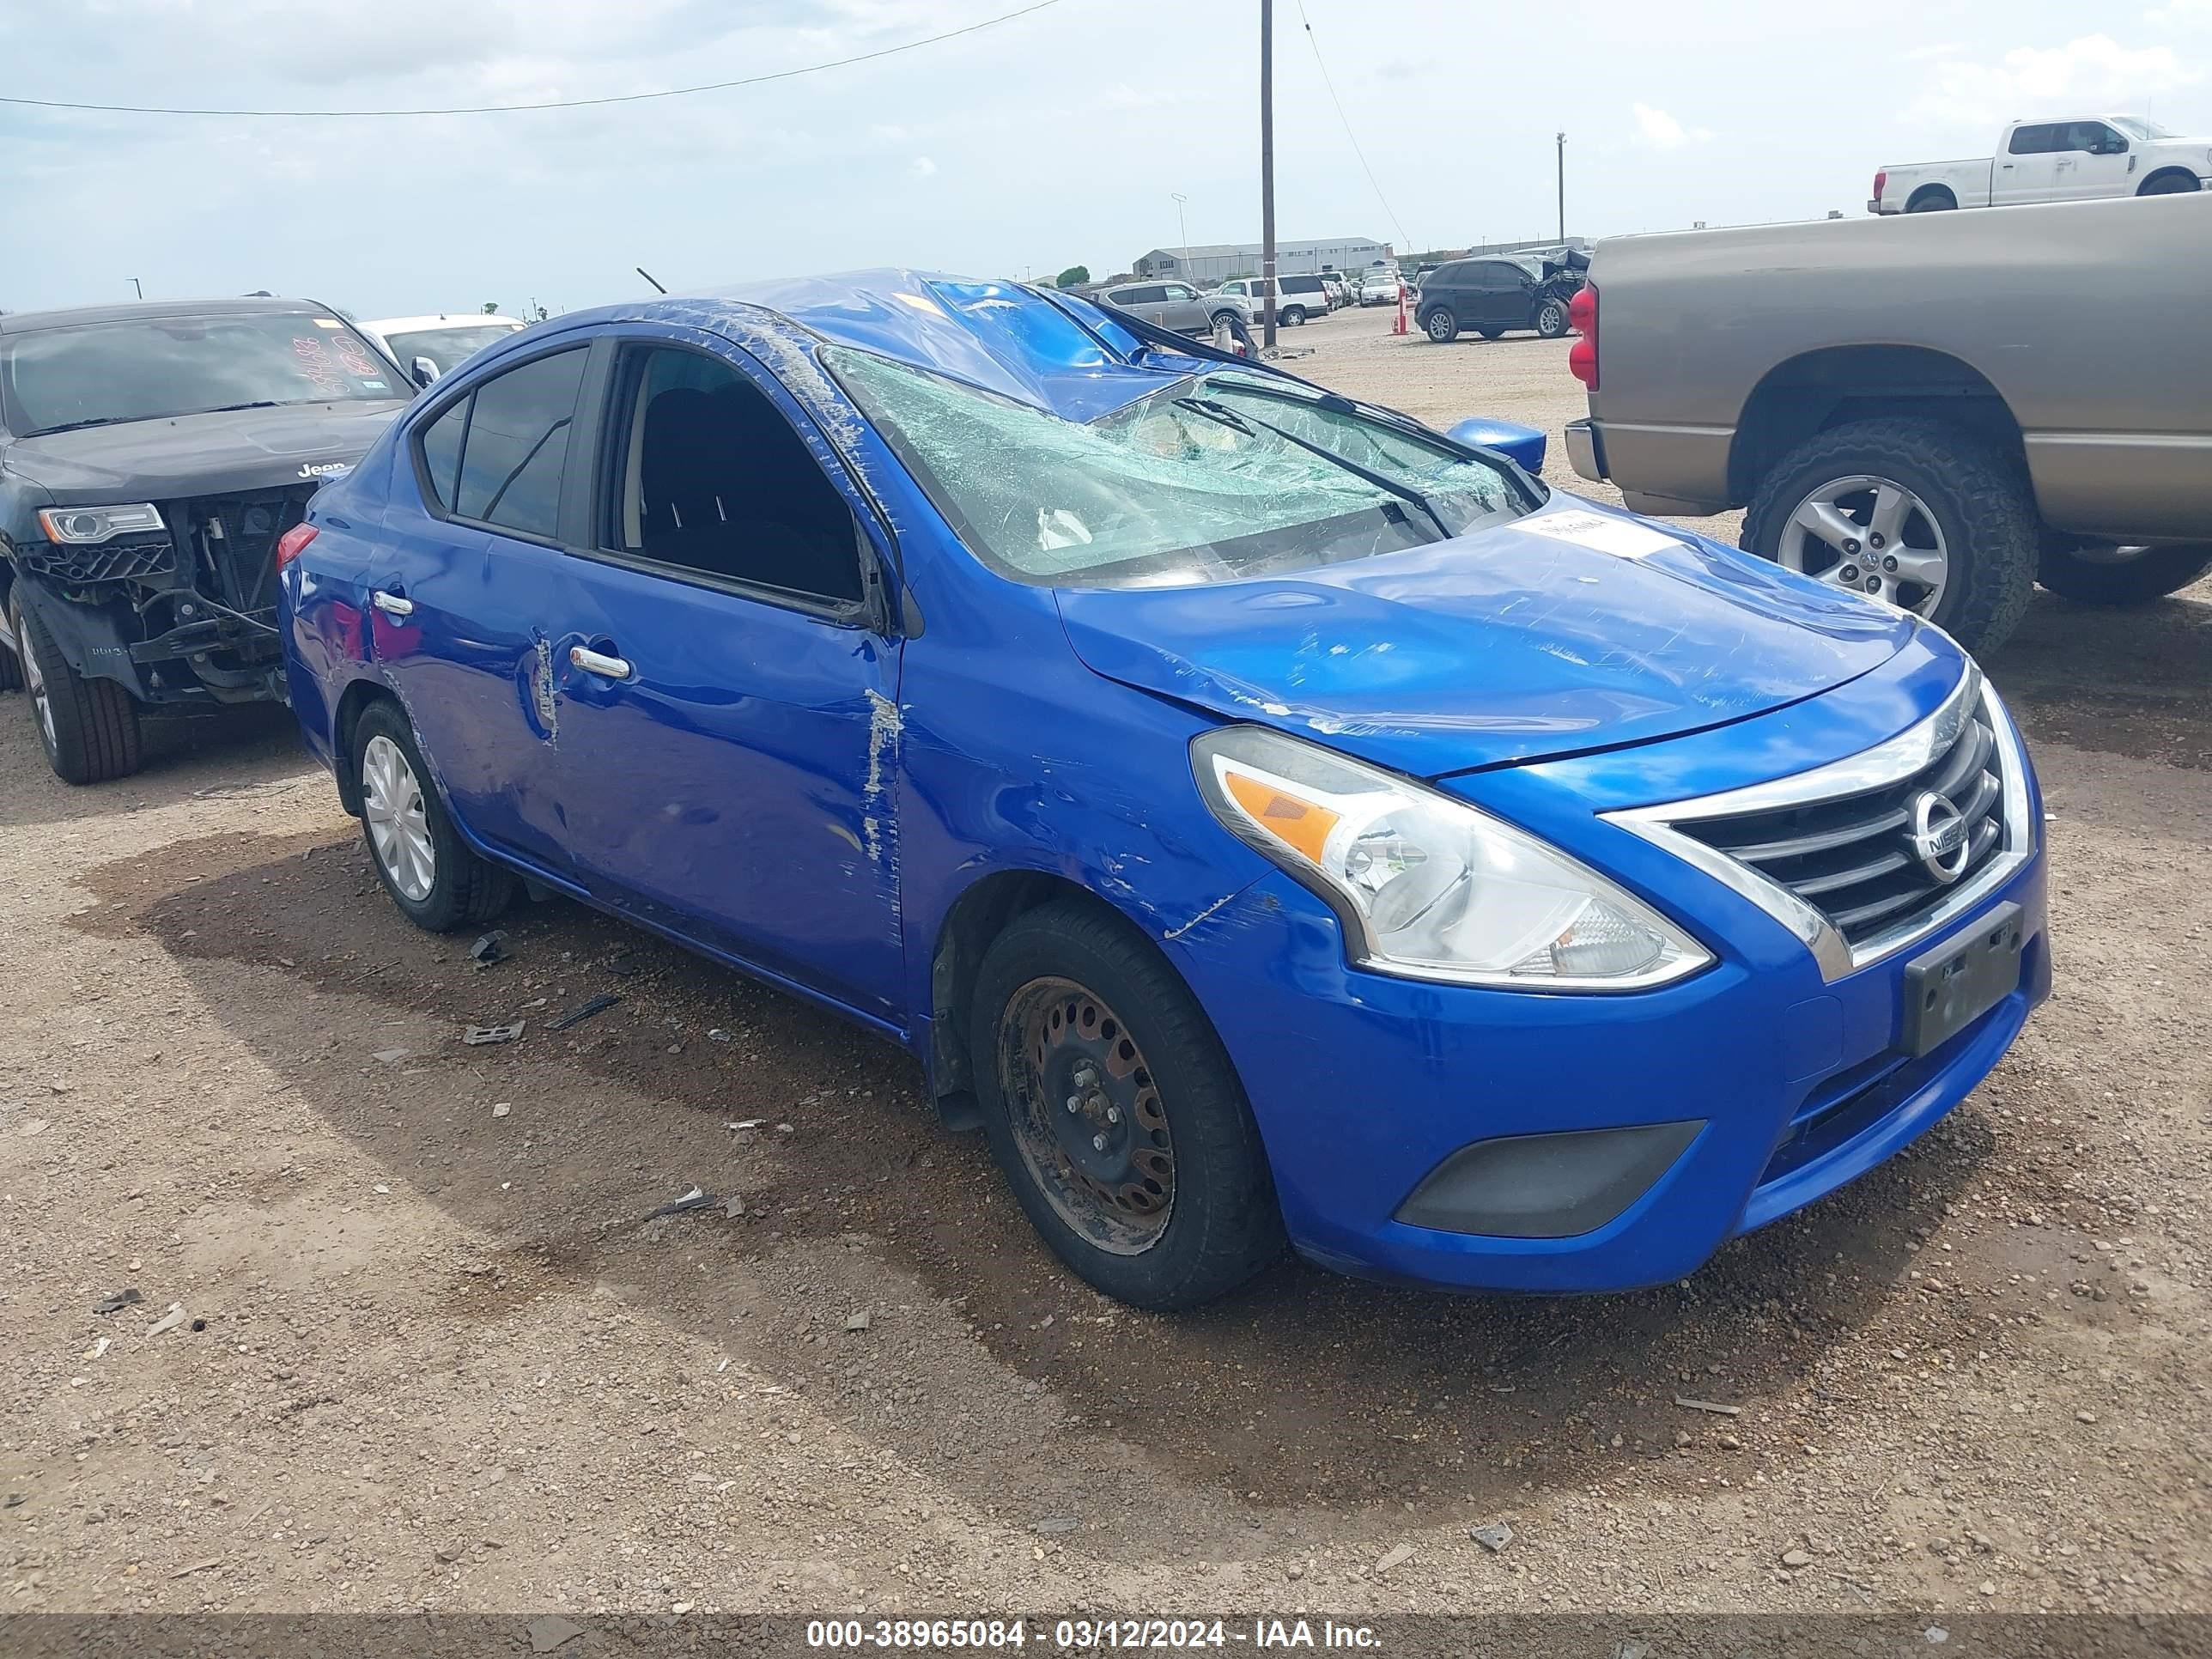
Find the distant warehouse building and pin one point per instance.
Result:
(1210, 263)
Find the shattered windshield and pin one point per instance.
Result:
(1211, 478)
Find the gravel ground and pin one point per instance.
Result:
(436, 1355)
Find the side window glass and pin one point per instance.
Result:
(2032, 141)
(712, 480)
(518, 445)
(441, 452)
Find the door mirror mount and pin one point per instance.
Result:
(422, 371)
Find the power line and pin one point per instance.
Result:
(1405, 241)
(557, 103)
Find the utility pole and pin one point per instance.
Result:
(1267, 165)
(1562, 142)
(139, 286)
(1183, 226)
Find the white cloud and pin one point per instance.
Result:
(1656, 130)
(923, 167)
(2093, 72)
(1943, 51)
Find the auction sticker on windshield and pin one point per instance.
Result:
(1620, 537)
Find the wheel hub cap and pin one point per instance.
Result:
(1870, 535)
(398, 817)
(1087, 1115)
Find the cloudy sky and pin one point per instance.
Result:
(1058, 137)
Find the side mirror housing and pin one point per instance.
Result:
(424, 371)
(1523, 445)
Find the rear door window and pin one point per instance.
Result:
(2034, 141)
(441, 452)
(517, 446)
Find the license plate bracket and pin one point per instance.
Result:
(1949, 988)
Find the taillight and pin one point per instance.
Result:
(1880, 179)
(292, 543)
(1582, 317)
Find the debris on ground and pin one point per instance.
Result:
(857, 1320)
(746, 1123)
(477, 1036)
(489, 950)
(391, 1056)
(584, 1010)
(1053, 1523)
(1796, 1558)
(550, 1632)
(1494, 1537)
(168, 1321)
(717, 1035)
(1713, 1406)
(198, 1566)
(624, 966)
(734, 1206)
(1396, 1557)
(37, 1126)
(14, 1500)
(693, 1199)
(501, 1109)
(124, 1299)
(99, 1348)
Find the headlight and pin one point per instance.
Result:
(1428, 886)
(78, 525)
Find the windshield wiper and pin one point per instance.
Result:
(75, 426)
(1242, 422)
(260, 402)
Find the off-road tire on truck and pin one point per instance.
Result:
(1193, 1214)
(1552, 318)
(2150, 574)
(463, 891)
(1979, 497)
(88, 727)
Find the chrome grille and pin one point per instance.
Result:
(1856, 860)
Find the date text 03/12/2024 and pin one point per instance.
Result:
(1089, 1635)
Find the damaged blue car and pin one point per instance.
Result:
(1267, 818)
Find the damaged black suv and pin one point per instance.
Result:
(151, 456)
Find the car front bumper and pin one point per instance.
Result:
(1682, 1116)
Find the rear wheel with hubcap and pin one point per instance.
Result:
(1912, 512)
(1115, 1114)
(435, 877)
(1441, 325)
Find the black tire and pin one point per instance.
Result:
(2170, 183)
(1552, 318)
(2151, 575)
(465, 891)
(11, 665)
(1223, 1224)
(1980, 498)
(1932, 201)
(95, 723)
(1440, 325)
(1291, 316)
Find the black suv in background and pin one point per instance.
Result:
(1490, 296)
(151, 456)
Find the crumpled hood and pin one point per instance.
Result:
(201, 454)
(1507, 645)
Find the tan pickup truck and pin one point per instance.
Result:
(1938, 410)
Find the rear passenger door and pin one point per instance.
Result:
(1147, 301)
(2029, 170)
(458, 597)
(727, 679)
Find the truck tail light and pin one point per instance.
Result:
(292, 543)
(1582, 317)
(1880, 179)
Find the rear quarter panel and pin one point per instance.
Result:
(2079, 313)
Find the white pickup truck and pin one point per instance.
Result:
(2068, 161)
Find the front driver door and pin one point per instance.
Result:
(729, 705)
(2094, 162)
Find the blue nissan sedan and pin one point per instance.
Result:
(1265, 817)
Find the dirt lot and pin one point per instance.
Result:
(436, 1357)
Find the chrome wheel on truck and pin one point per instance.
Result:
(1872, 536)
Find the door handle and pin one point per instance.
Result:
(392, 605)
(595, 662)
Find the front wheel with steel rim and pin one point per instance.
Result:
(1915, 513)
(1552, 318)
(1115, 1113)
(1441, 326)
(437, 880)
